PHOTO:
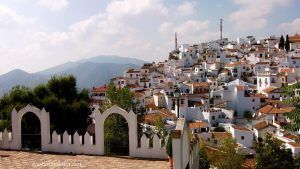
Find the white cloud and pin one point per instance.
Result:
(54, 5)
(103, 33)
(9, 18)
(121, 8)
(253, 14)
(131, 28)
(186, 8)
(292, 27)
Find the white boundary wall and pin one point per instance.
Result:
(82, 144)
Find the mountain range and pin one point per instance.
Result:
(89, 72)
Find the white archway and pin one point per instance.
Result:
(131, 119)
(44, 119)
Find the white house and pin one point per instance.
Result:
(295, 147)
(294, 42)
(243, 136)
(261, 128)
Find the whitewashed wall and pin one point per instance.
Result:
(184, 153)
(82, 144)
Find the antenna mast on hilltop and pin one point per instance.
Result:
(176, 45)
(221, 28)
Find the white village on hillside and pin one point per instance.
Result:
(235, 85)
(202, 93)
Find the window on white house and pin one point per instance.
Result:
(242, 137)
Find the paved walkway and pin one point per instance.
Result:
(21, 159)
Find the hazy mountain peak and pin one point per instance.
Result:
(88, 72)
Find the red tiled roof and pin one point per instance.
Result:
(138, 94)
(262, 63)
(295, 38)
(232, 64)
(286, 70)
(198, 125)
(133, 71)
(294, 144)
(261, 125)
(100, 89)
(199, 84)
(133, 86)
(240, 128)
(150, 118)
(270, 89)
(291, 136)
(268, 109)
(220, 135)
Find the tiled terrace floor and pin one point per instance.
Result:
(21, 159)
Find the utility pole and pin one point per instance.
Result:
(221, 28)
(176, 45)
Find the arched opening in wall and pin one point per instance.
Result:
(31, 132)
(116, 135)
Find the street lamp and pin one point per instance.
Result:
(177, 94)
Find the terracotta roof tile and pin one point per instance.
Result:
(294, 144)
(220, 135)
(287, 70)
(199, 84)
(270, 89)
(138, 94)
(100, 89)
(265, 109)
(281, 110)
(232, 64)
(150, 118)
(292, 136)
(260, 125)
(198, 125)
(240, 128)
(294, 38)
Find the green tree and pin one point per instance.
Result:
(227, 157)
(121, 97)
(169, 147)
(124, 99)
(248, 115)
(203, 158)
(297, 162)
(69, 109)
(160, 127)
(294, 116)
(287, 43)
(172, 56)
(63, 87)
(281, 43)
(219, 129)
(270, 155)
(116, 134)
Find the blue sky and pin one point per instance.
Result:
(37, 34)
